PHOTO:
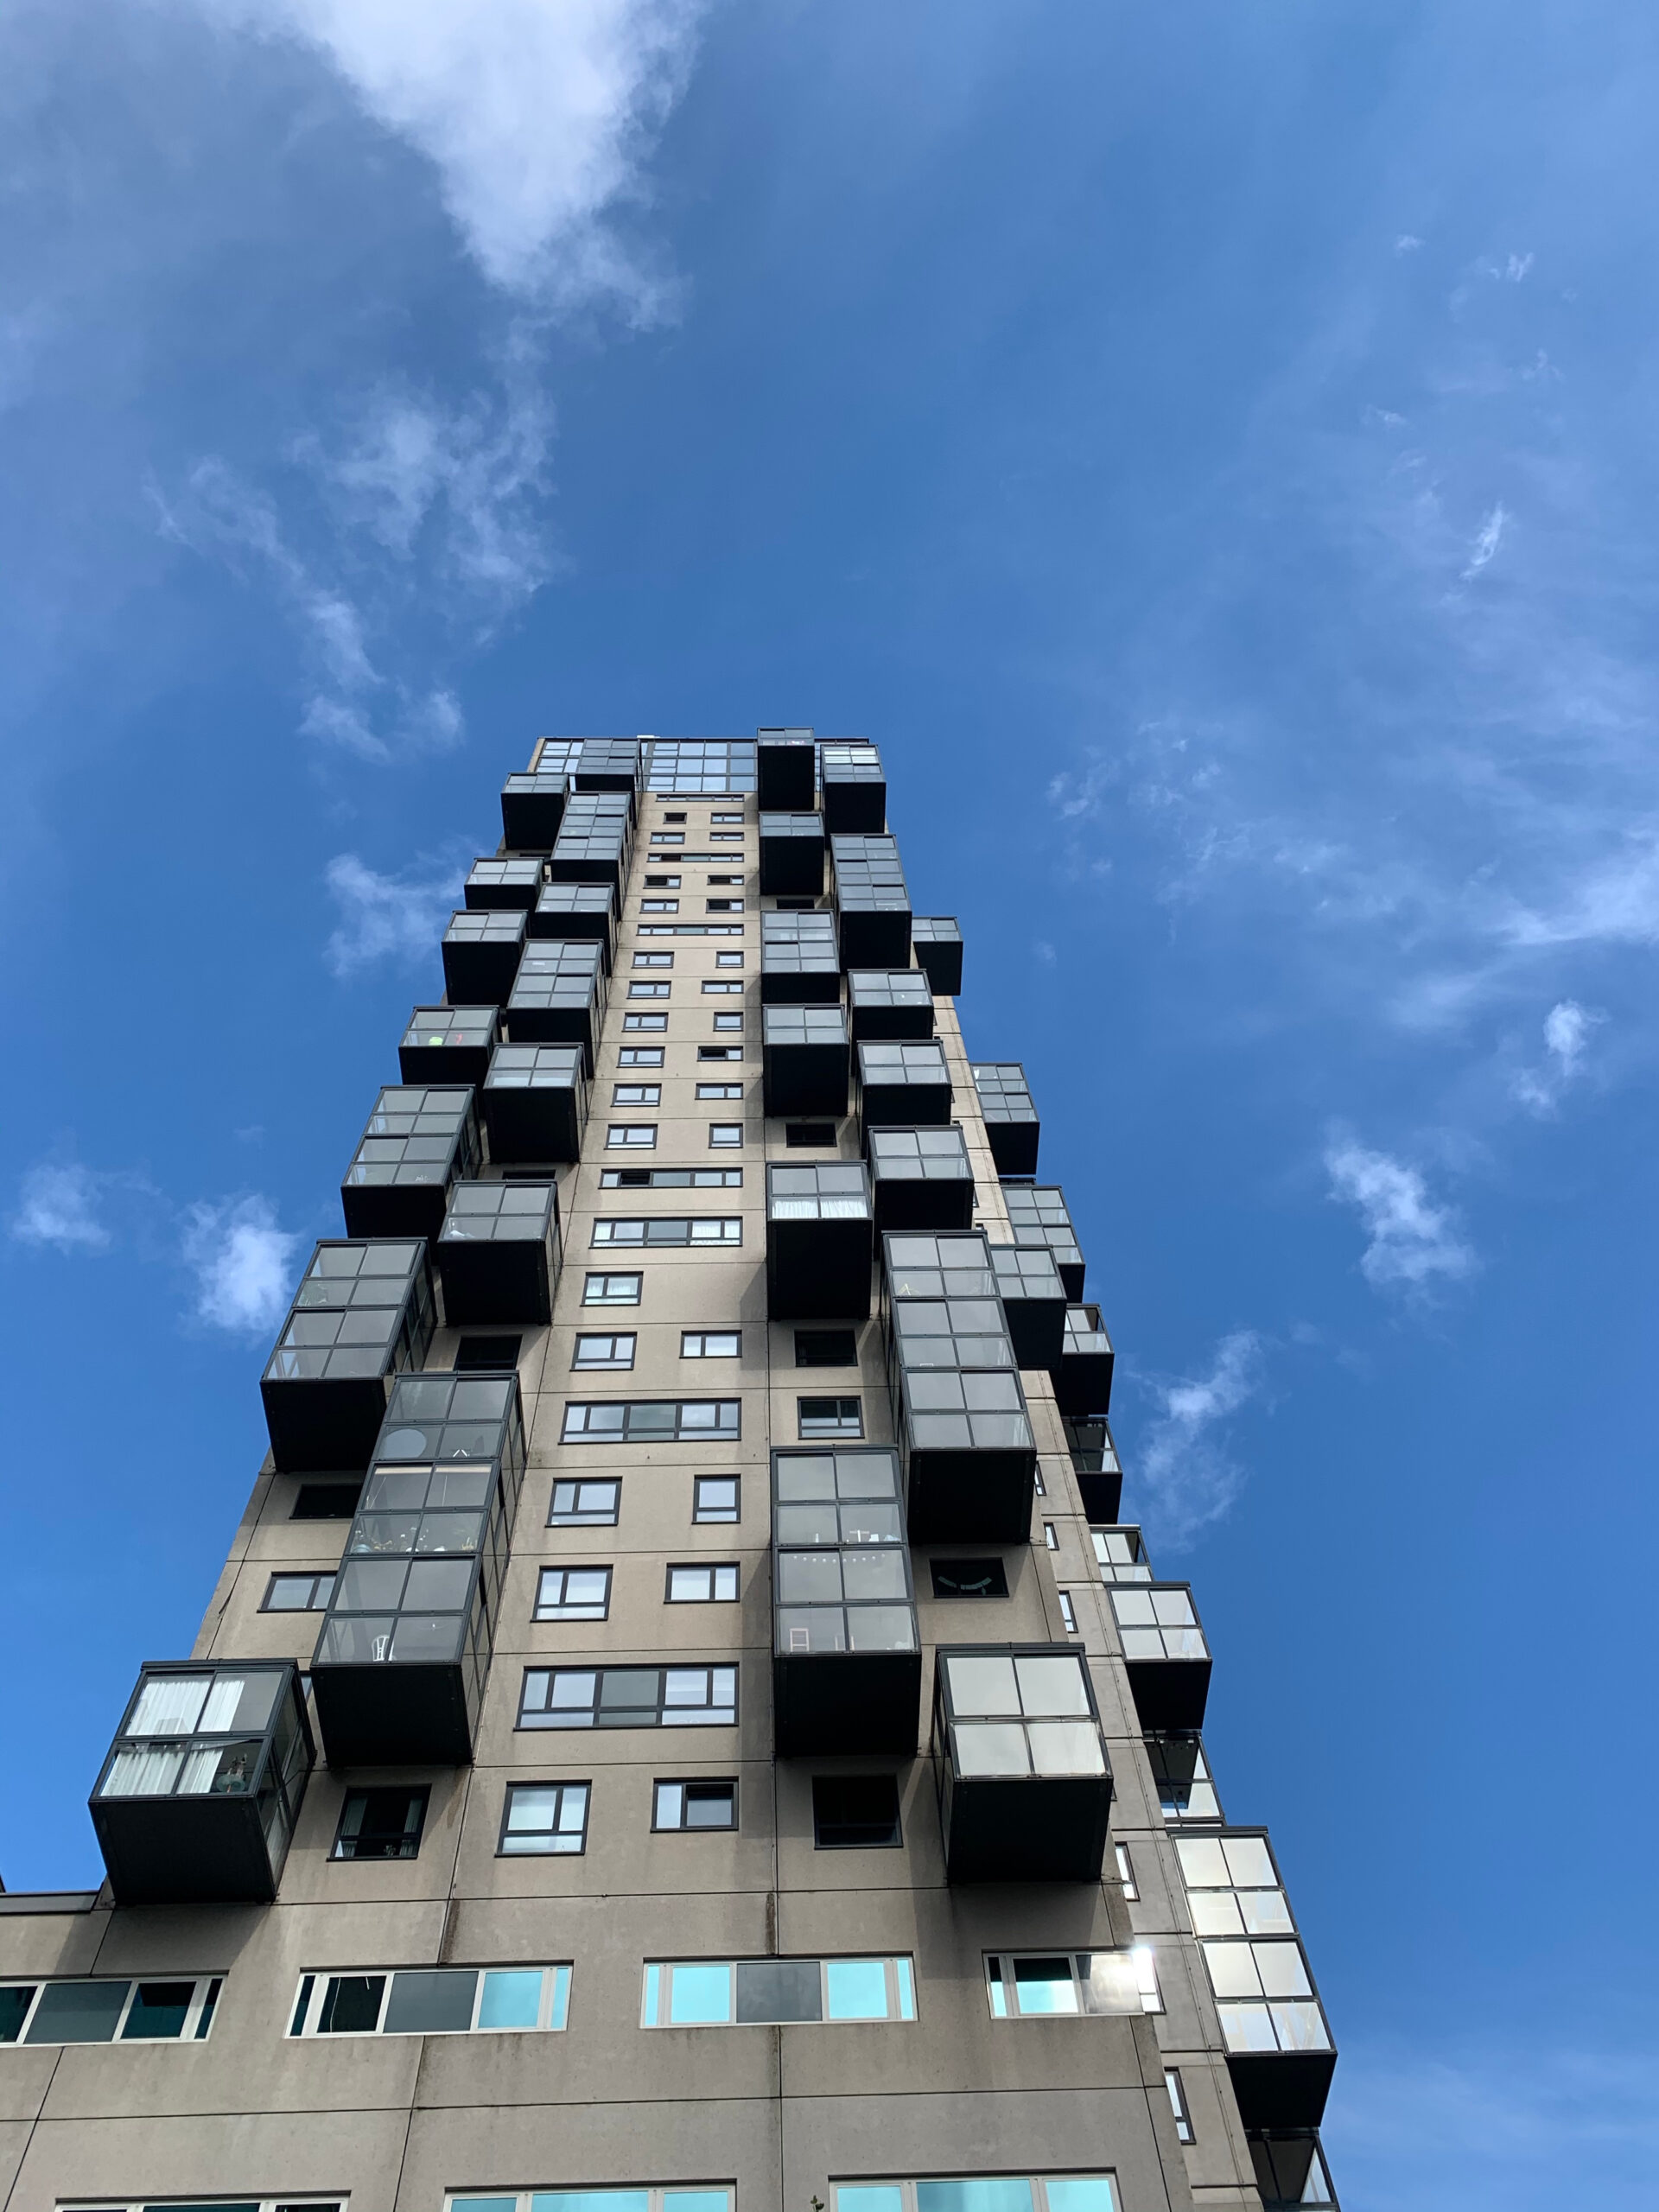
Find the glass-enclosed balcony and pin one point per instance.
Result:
(791, 856)
(600, 764)
(872, 902)
(535, 1103)
(805, 1059)
(449, 1044)
(903, 1086)
(481, 951)
(854, 787)
(1165, 1653)
(198, 1798)
(363, 1312)
(577, 910)
(594, 840)
(1096, 1465)
(968, 1452)
(846, 1654)
(921, 1178)
(1290, 2170)
(1038, 1214)
(510, 882)
(1011, 1125)
(889, 1004)
(786, 770)
(799, 963)
(559, 997)
(1033, 1298)
(820, 1240)
(405, 1647)
(1083, 1375)
(532, 807)
(938, 943)
(498, 1256)
(1025, 1787)
(419, 1140)
(1121, 1554)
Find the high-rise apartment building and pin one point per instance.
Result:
(681, 1726)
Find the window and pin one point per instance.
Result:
(711, 1344)
(1122, 1555)
(728, 1021)
(645, 1021)
(810, 1136)
(729, 960)
(1068, 1612)
(611, 1290)
(969, 1578)
(1177, 2105)
(725, 817)
(722, 905)
(826, 1348)
(326, 1501)
(1185, 1789)
(720, 1091)
(712, 987)
(616, 1352)
(636, 1094)
(687, 1805)
(574, 1593)
(108, 2012)
(381, 1824)
(650, 990)
(662, 883)
(1263, 1994)
(1092, 1982)
(433, 2001)
(585, 1505)
(709, 2197)
(628, 1697)
(855, 1812)
(725, 837)
(297, 1593)
(702, 1585)
(1038, 1484)
(740, 1992)
(680, 816)
(722, 878)
(830, 1417)
(725, 1136)
(640, 1056)
(1159, 1624)
(646, 1421)
(653, 960)
(487, 1355)
(1049, 1536)
(989, 2193)
(720, 1051)
(671, 1228)
(668, 837)
(543, 1819)
(1019, 1713)
(658, 905)
(715, 1498)
(670, 1179)
(1126, 1880)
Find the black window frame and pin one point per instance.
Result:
(720, 1519)
(576, 1518)
(828, 1782)
(842, 1400)
(561, 1784)
(686, 1784)
(416, 1794)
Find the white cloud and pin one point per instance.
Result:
(385, 917)
(1488, 538)
(1407, 242)
(58, 1204)
(1191, 1477)
(1410, 1240)
(1566, 1038)
(242, 1264)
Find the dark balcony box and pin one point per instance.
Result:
(889, 1004)
(805, 1059)
(903, 1086)
(800, 964)
(1094, 1464)
(595, 840)
(577, 911)
(449, 1044)
(405, 1646)
(791, 856)
(847, 1654)
(559, 996)
(872, 903)
(535, 1103)
(481, 952)
(1025, 1786)
(854, 787)
(786, 771)
(498, 1256)
(1083, 1376)
(820, 1240)
(1038, 1214)
(197, 1800)
(508, 884)
(937, 944)
(1282, 2088)
(532, 807)
(1033, 1299)
(1290, 2168)
(420, 1138)
(1165, 1653)
(607, 764)
(363, 1312)
(921, 1178)
(1011, 1125)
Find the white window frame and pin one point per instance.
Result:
(206, 1989)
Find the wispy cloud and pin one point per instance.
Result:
(1410, 1240)
(385, 917)
(242, 1262)
(1488, 538)
(1567, 1027)
(60, 1204)
(1189, 1475)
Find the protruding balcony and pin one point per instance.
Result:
(481, 952)
(1290, 2170)
(509, 884)
(854, 787)
(799, 963)
(559, 996)
(198, 1798)
(903, 1086)
(449, 1044)
(786, 771)
(937, 942)
(846, 1654)
(498, 1257)
(400, 1666)
(889, 1004)
(872, 903)
(922, 1178)
(820, 1240)
(532, 807)
(577, 911)
(1038, 1214)
(1165, 1654)
(1083, 1377)
(805, 1059)
(595, 840)
(363, 1313)
(1011, 1123)
(791, 856)
(535, 1103)
(1025, 1787)
(1096, 1465)
(602, 764)
(970, 1455)
(1033, 1298)
(419, 1139)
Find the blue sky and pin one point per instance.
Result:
(1211, 451)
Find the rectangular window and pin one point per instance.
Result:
(1126, 1873)
(651, 990)
(297, 1593)
(381, 1824)
(713, 988)
(585, 1505)
(1177, 2105)
(662, 883)
(326, 1501)
(671, 1228)
(1157, 1624)
(711, 1344)
(770, 1993)
(728, 1021)
(636, 1094)
(969, 1578)
(611, 1290)
(670, 1179)
(668, 837)
(631, 1136)
(982, 2193)
(725, 837)
(628, 1697)
(640, 1056)
(690, 1805)
(647, 1421)
(1037, 1481)
(810, 1136)
(830, 1417)
(614, 1351)
(715, 1497)
(659, 905)
(702, 1585)
(855, 1812)
(487, 1355)
(720, 1051)
(729, 960)
(434, 2001)
(1049, 1536)
(543, 1819)
(716, 880)
(699, 2197)
(574, 1593)
(720, 1091)
(653, 960)
(725, 1136)
(826, 1348)
(1068, 1612)
(722, 905)
(1073, 1982)
(725, 817)
(645, 1021)
(108, 2012)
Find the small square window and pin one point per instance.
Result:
(720, 1051)
(720, 1091)
(969, 1578)
(636, 1094)
(725, 1136)
(631, 1136)
(543, 1818)
(810, 1136)
(826, 1348)
(715, 1497)
(711, 1344)
(480, 1355)
(574, 1593)
(1068, 1612)
(650, 990)
(640, 1056)
(611, 1290)
(585, 1505)
(728, 1021)
(653, 960)
(702, 1585)
(381, 1824)
(830, 1416)
(729, 960)
(614, 1351)
(713, 989)
(855, 1812)
(689, 1805)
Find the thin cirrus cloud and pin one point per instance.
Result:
(1568, 1029)
(398, 917)
(59, 1204)
(1189, 1477)
(1411, 1242)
